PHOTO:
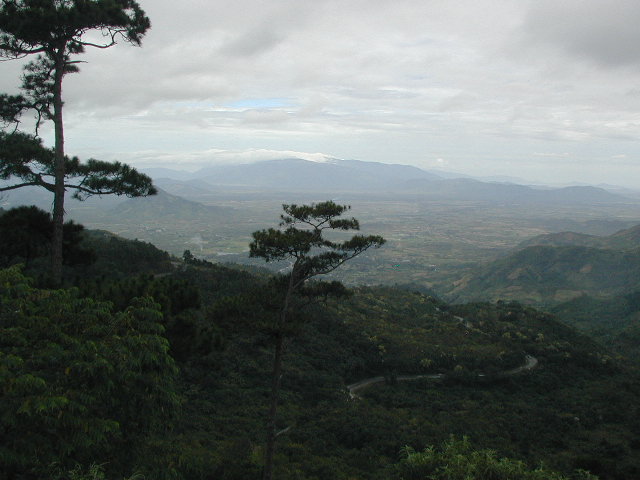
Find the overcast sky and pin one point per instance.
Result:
(546, 90)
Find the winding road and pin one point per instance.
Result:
(530, 363)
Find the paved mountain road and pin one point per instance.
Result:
(530, 363)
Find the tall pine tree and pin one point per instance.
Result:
(302, 240)
(53, 31)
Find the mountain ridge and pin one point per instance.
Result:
(355, 176)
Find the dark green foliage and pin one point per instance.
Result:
(38, 25)
(302, 240)
(189, 259)
(576, 410)
(26, 234)
(179, 301)
(118, 257)
(549, 275)
(24, 157)
(550, 414)
(614, 321)
(556, 413)
(80, 383)
(457, 460)
(11, 108)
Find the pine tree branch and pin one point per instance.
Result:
(40, 183)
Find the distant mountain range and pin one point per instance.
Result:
(295, 175)
(332, 177)
(352, 176)
(464, 189)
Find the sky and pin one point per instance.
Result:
(544, 90)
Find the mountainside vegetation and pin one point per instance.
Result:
(615, 321)
(551, 274)
(589, 281)
(626, 239)
(552, 268)
(573, 410)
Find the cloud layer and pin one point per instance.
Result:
(538, 88)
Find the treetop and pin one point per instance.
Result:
(312, 253)
(319, 216)
(44, 26)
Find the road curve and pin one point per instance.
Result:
(530, 362)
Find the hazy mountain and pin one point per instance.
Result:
(560, 266)
(164, 205)
(629, 238)
(623, 240)
(183, 188)
(505, 193)
(352, 176)
(296, 175)
(161, 172)
(614, 321)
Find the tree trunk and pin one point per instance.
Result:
(276, 376)
(59, 172)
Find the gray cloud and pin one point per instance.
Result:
(602, 31)
(409, 81)
(253, 43)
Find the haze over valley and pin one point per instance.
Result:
(438, 226)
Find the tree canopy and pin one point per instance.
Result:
(48, 26)
(301, 239)
(77, 378)
(25, 234)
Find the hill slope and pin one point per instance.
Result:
(550, 274)
(163, 205)
(576, 409)
(622, 240)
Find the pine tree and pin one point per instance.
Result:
(53, 31)
(302, 240)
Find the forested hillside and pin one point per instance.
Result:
(546, 275)
(614, 321)
(626, 239)
(199, 349)
(589, 281)
(553, 268)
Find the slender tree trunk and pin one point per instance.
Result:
(59, 173)
(276, 376)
